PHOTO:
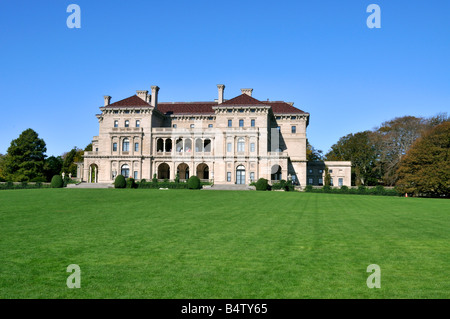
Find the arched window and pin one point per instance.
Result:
(126, 145)
(241, 145)
(125, 171)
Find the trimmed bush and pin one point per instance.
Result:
(131, 183)
(326, 189)
(262, 184)
(362, 189)
(309, 188)
(344, 189)
(120, 182)
(194, 182)
(57, 182)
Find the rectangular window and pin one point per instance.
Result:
(252, 147)
(114, 147)
(138, 123)
(320, 181)
(252, 123)
(230, 123)
(331, 182)
(228, 147)
(116, 123)
(310, 181)
(252, 176)
(310, 171)
(241, 123)
(293, 129)
(192, 125)
(210, 125)
(135, 175)
(331, 171)
(136, 147)
(174, 126)
(228, 176)
(341, 182)
(127, 123)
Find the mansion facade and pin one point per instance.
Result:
(233, 141)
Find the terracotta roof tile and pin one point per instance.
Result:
(278, 107)
(131, 101)
(242, 99)
(186, 107)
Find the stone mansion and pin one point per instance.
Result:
(233, 141)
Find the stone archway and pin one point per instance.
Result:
(203, 171)
(93, 173)
(163, 171)
(183, 171)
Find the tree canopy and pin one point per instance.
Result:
(25, 158)
(425, 170)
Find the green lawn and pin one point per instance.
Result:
(221, 244)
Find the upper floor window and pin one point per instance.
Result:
(174, 126)
(192, 125)
(230, 123)
(293, 117)
(210, 118)
(330, 171)
(125, 145)
(136, 147)
(241, 110)
(114, 147)
(127, 123)
(138, 123)
(126, 112)
(341, 182)
(241, 123)
(252, 122)
(252, 110)
(310, 171)
(293, 129)
(229, 147)
(210, 125)
(252, 147)
(278, 117)
(278, 128)
(241, 145)
(116, 123)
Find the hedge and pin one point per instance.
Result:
(361, 190)
(23, 185)
(120, 182)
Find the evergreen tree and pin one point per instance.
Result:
(25, 158)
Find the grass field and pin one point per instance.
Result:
(221, 244)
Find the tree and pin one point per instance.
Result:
(327, 180)
(361, 151)
(2, 158)
(69, 160)
(394, 138)
(88, 148)
(25, 158)
(312, 154)
(52, 167)
(426, 167)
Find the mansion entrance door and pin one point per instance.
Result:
(240, 175)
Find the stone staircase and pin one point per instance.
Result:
(230, 187)
(90, 185)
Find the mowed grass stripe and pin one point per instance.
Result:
(220, 244)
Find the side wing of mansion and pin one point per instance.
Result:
(233, 141)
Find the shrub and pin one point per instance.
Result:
(120, 182)
(24, 185)
(66, 180)
(194, 182)
(154, 179)
(57, 182)
(262, 184)
(344, 189)
(38, 179)
(131, 183)
(362, 189)
(177, 178)
(309, 188)
(143, 180)
(326, 189)
(2, 179)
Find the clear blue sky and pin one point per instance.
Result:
(318, 54)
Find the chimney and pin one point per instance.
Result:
(143, 95)
(247, 91)
(107, 100)
(154, 99)
(221, 88)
